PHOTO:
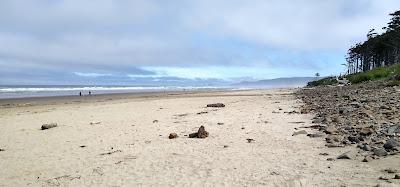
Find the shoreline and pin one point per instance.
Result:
(48, 100)
(54, 100)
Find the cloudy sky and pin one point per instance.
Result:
(179, 41)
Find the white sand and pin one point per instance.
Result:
(142, 154)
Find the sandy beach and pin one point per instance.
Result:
(122, 140)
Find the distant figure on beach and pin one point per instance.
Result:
(90, 93)
(80, 93)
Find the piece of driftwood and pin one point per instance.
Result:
(48, 126)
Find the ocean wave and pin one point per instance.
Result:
(96, 88)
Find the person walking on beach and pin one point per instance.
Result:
(90, 93)
(80, 93)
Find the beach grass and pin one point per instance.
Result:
(390, 73)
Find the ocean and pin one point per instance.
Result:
(24, 91)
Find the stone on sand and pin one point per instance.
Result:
(173, 136)
(299, 132)
(367, 159)
(48, 126)
(216, 105)
(201, 133)
(391, 144)
(380, 152)
(316, 135)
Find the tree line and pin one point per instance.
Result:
(378, 50)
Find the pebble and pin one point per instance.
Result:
(173, 136)
(367, 159)
(216, 105)
(380, 152)
(299, 132)
(391, 144)
(249, 140)
(391, 170)
(316, 135)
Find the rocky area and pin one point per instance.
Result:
(365, 115)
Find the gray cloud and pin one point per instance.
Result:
(120, 37)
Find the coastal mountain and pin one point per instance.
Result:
(278, 82)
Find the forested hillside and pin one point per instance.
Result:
(378, 50)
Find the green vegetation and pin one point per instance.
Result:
(377, 58)
(323, 82)
(389, 73)
(378, 50)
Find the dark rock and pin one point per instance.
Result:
(332, 145)
(193, 135)
(201, 133)
(216, 105)
(380, 152)
(173, 136)
(220, 123)
(346, 142)
(324, 154)
(291, 112)
(396, 176)
(391, 144)
(391, 170)
(2, 150)
(304, 111)
(330, 159)
(299, 132)
(249, 140)
(353, 139)
(318, 120)
(199, 113)
(155, 121)
(48, 126)
(367, 159)
(316, 135)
